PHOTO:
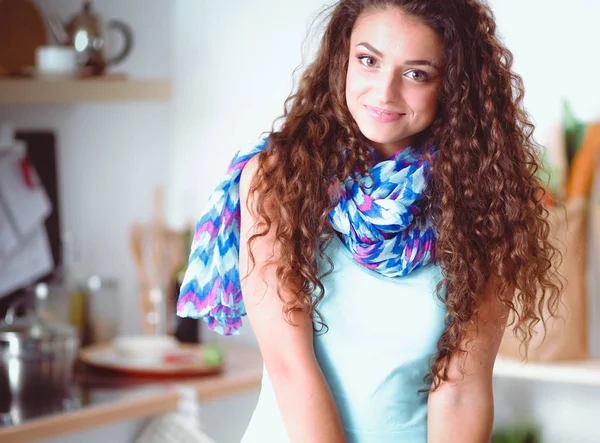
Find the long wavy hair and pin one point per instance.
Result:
(484, 196)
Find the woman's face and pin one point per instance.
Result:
(393, 79)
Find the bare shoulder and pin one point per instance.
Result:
(247, 175)
(252, 218)
(247, 179)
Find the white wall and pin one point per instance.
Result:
(233, 70)
(553, 43)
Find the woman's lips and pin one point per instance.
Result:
(382, 115)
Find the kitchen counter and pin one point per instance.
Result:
(101, 399)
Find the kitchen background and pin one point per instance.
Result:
(230, 66)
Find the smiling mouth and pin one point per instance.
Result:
(383, 115)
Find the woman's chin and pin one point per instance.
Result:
(390, 143)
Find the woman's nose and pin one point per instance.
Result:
(390, 86)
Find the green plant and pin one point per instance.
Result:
(574, 130)
(517, 433)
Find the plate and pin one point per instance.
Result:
(184, 360)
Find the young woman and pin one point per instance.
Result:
(380, 238)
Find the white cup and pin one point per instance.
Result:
(56, 60)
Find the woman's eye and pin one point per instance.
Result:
(418, 76)
(367, 60)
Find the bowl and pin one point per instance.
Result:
(144, 347)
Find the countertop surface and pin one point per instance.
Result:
(99, 398)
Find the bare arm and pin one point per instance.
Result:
(303, 396)
(462, 409)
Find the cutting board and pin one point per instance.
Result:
(22, 30)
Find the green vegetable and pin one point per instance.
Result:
(213, 355)
(574, 131)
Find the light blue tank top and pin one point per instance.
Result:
(381, 335)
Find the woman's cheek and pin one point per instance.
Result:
(427, 100)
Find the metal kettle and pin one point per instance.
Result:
(86, 33)
(37, 358)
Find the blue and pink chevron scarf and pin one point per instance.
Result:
(376, 217)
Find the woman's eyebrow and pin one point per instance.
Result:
(371, 48)
(407, 62)
(422, 62)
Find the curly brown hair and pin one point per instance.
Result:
(484, 196)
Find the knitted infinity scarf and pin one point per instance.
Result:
(376, 218)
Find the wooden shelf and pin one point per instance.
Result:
(80, 90)
(242, 374)
(90, 417)
(585, 372)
